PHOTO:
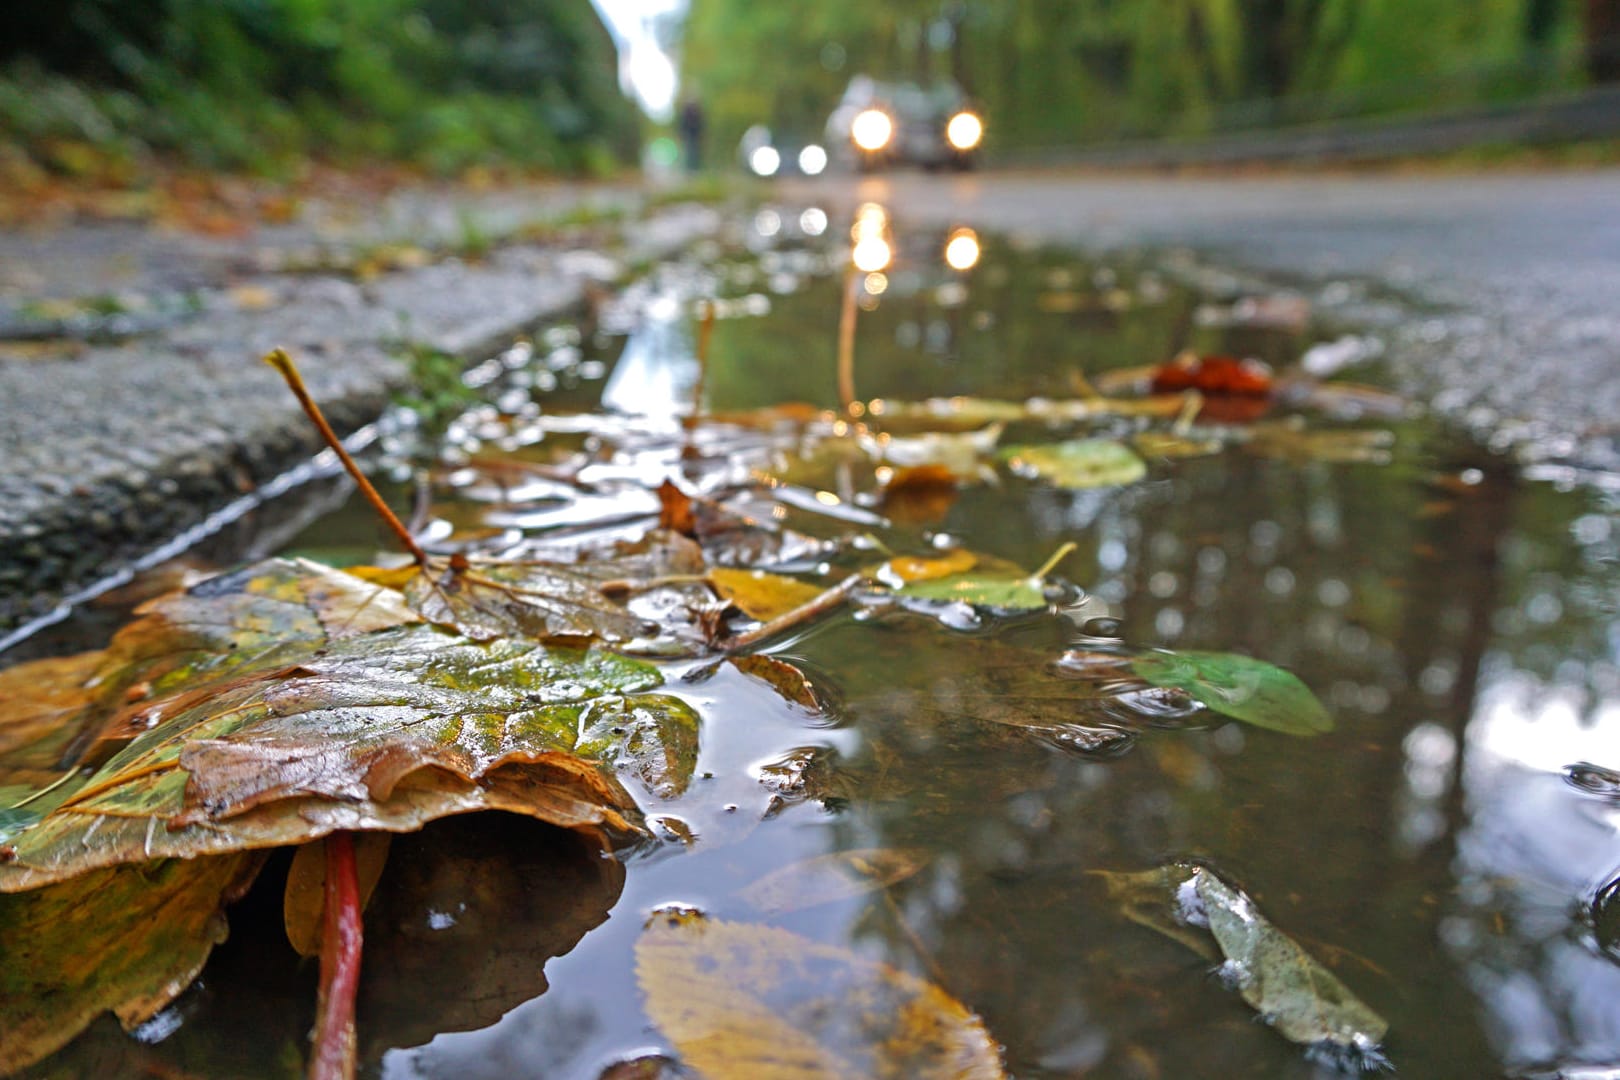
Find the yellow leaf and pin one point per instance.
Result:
(761, 595)
(744, 1002)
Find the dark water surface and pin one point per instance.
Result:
(1458, 619)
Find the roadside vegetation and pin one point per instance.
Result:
(101, 89)
(1093, 71)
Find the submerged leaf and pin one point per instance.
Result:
(838, 876)
(1238, 686)
(745, 1002)
(126, 939)
(1083, 463)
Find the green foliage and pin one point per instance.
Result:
(1050, 74)
(250, 83)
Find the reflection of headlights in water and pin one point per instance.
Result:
(871, 254)
(765, 160)
(964, 131)
(962, 250)
(871, 220)
(812, 159)
(872, 129)
(813, 221)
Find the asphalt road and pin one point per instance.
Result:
(1498, 295)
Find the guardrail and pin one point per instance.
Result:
(1590, 114)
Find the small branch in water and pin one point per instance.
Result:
(705, 332)
(804, 613)
(332, 1057)
(846, 347)
(283, 363)
(912, 939)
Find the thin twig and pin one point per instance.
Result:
(805, 612)
(916, 942)
(846, 346)
(705, 332)
(283, 363)
(333, 1055)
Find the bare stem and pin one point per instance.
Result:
(846, 346)
(804, 613)
(1051, 564)
(333, 1055)
(283, 363)
(704, 334)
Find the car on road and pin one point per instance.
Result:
(880, 124)
(766, 153)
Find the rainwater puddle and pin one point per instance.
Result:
(1434, 851)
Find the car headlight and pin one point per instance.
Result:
(812, 159)
(872, 129)
(764, 160)
(964, 131)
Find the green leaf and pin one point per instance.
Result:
(1082, 463)
(1241, 687)
(1304, 1001)
(128, 939)
(653, 736)
(990, 590)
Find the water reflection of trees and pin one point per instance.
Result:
(1382, 845)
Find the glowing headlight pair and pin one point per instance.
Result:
(765, 160)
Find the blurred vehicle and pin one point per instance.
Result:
(879, 124)
(764, 153)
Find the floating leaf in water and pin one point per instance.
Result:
(383, 731)
(1289, 440)
(1238, 686)
(126, 939)
(1082, 463)
(1213, 376)
(838, 876)
(745, 1002)
(654, 736)
(957, 452)
(788, 680)
(1164, 444)
(1594, 780)
(904, 569)
(992, 583)
(760, 594)
(1304, 1001)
